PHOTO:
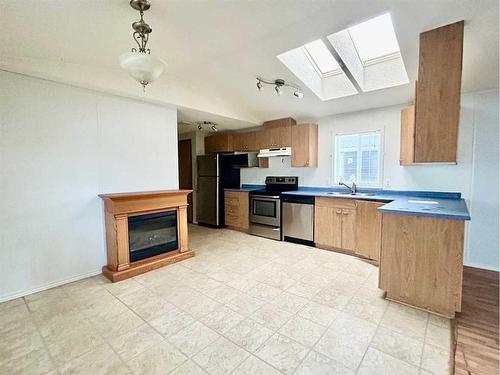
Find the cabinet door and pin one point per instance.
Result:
(328, 226)
(368, 229)
(245, 141)
(219, 143)
(305, 145)
(407, 152)
(437, 100)
(348, 229)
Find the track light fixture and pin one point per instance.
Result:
(278, 86)
(212, 125)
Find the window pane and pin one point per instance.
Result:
(369, 166)
(350, 165)
(322, 57)
(374, 38)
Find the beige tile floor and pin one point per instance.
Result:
(243, 305)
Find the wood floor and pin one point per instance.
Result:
(476, 327)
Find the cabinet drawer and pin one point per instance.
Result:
(336, 202)
(234, 210)
(234, 202)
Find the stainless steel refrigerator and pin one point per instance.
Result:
(216, 172)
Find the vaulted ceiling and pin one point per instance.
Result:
(215, 49)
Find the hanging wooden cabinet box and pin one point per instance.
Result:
(429, 131)
(220, 142)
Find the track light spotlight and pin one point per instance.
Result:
(200, 128)
(259, 85)
(278, 90)
(299, 94)
(214, 128)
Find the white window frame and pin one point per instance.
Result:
(335, 173)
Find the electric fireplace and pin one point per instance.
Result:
(152, 234)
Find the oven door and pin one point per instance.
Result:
(265, 209)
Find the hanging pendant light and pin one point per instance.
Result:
(139, 63)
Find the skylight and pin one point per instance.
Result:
(361, 58)
(374, 38)
(321, 57)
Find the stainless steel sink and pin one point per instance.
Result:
(350, 194)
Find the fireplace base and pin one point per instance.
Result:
(146, 265)
(118, 208)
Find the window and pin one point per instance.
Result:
(357, 158)
(369, 52)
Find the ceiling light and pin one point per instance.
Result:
(278, 86)
(214, 127)
(139, 63)
(200, 128)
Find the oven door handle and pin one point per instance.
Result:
(267, 197)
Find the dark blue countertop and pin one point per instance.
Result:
(443, 205)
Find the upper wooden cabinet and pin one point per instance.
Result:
(407, 152)
(220, 142)
(305, 145)
(245, 141)
(434, 132)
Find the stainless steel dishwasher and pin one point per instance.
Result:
(298, 218)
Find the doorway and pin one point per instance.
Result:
(186, 172)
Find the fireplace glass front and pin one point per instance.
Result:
(152, 234)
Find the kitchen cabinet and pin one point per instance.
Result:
(219, 142)
(407, 152)
(236, 209)
(276, 136)
(327, 226)
(334, 223)
(245, 141)
(304, 145)
(368, 228)
(421, 262)
(430, 133)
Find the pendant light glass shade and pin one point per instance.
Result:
(143, 67)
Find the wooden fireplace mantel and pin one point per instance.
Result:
(119, 207)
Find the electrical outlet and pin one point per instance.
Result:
(387, 183)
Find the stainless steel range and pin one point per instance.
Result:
(265, 206)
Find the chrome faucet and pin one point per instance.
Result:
(351, 188)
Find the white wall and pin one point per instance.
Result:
(477, 161)
(59, 147)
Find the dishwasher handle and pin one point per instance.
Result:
(302, 199)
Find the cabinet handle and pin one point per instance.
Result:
(345, 212)
(338, 212)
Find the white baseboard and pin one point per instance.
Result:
(8, 297)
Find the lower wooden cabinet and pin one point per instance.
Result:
(368, 229)
(348, 224)
(334, 221)
(421, 262)
(236, 209)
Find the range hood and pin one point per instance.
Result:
(271, 152)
